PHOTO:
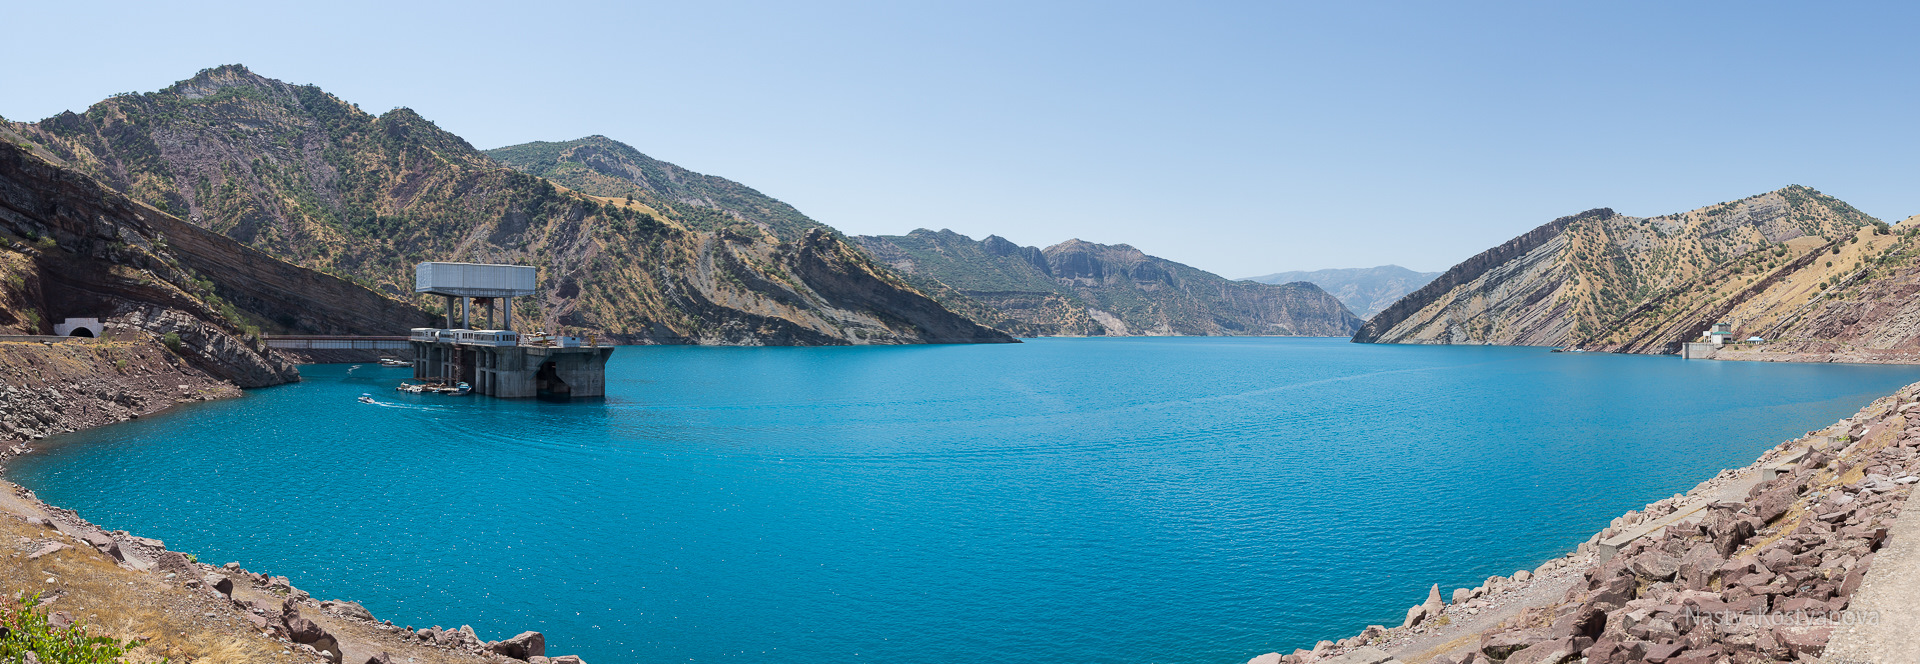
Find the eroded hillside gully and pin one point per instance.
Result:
(1774, 561)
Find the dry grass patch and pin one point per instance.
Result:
(171, 623)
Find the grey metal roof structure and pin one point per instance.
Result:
(474, 279)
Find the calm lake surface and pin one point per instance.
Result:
(1062, 500)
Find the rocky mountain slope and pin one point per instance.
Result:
(1365, 290)
(1082, 288)
(71, 248)
(1605, 281)
(1856, 302)
(607, 168)
(181, 307)
(307, 177)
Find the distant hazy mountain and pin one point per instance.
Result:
(1365, 290)
(1082, 288)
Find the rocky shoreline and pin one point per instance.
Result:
(1755, 564)
(1816, 353)
(54, 387)
(269, 607)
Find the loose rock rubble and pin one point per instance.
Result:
(1763, 576)
(274, 607)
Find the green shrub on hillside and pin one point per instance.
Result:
(28, 629)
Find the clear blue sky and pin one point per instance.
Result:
(1241, 138)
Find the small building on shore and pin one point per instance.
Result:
(1720, 334)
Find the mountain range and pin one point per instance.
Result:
(1801, 269)
(672, 257)
(1087, 289)
(1365, 290)
(302, 189)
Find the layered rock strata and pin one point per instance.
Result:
(1605, 281)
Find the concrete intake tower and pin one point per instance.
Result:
(499, 362)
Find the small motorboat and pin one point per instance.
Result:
(459, 390)
(367, 399)
(411, 388)
(394, 362)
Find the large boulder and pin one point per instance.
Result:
(1415, 614)
(105, 543)
(1730, 536)
(1697, 565)
(1772, 504)
(1614, 593)
(1502, 645)
(1556, 651)
(1614, 651)
(1495, 584)
(1269, 658)
(1588, 621)
(1433, 604)
(1322, 649)
(219, 583)
(524, 646)
(1654, 566)
(308, 632)
(174, 562)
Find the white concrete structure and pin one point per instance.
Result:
(78, 327)
(1720, 334)
(501, 363)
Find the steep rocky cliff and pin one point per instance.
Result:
(1082, 288)
(1604, 281)
(70, 248)
(311, 179)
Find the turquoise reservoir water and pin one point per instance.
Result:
(1089, 500)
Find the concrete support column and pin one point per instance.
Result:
(508, 302)
(466, 313)
(449, 311)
